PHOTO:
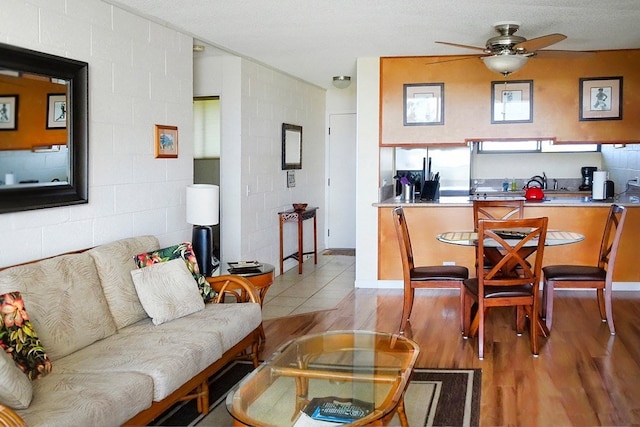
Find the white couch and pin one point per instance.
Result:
(111, 365)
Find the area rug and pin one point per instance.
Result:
(435, 397)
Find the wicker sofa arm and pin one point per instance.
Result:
(238, 286)
(8, 418)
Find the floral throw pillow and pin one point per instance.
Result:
(184, 251)
(18, 338)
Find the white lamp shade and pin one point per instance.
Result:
(505, 64)
(203, 204)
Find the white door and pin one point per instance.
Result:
(341, 218)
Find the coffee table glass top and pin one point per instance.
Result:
(373, 368)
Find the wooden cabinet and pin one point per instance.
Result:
(425, 223)
(467, 99)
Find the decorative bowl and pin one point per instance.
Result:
(299, 207)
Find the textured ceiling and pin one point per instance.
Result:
(315, 40)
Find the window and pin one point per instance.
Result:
(532, 146)
(206, 128)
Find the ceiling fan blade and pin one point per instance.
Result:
(563, 54)
(539, 42)
(464, 46)
(454, 59)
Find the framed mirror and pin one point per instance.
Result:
(44, 153)
(291, 146)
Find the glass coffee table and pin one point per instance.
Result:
(356, 377)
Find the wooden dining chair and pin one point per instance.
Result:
(497, 209)
(598, 276)
(421, 276)
(492, 288)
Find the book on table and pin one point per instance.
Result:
(338, 410)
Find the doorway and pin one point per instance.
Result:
(341, 204)
(206, 154)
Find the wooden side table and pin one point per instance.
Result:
(299, 216)
(262, 278)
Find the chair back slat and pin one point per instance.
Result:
(497, 209)
(515, 265)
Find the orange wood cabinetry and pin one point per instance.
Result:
(467, 98)
(32, 113)
(425, 223)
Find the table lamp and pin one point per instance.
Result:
(203, 205)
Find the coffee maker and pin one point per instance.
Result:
(587, 178)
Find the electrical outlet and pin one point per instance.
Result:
(448, 263)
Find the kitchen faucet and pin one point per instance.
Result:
(544, 181)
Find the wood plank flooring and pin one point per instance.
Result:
(583, 376)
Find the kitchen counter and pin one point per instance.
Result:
(580, 214)
(555, 199)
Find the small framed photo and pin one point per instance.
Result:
(512, 102)
(424, 104)
(601, 98)
(8, 112)
(166, 142)
(56, 111)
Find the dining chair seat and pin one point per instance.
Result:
(577, 273)
(514, 291)
(439, 272)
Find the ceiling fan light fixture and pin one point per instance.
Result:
(505, 64)
(341, 82)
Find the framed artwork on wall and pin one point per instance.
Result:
(56, 111)
(512, 102)
(423, 104)
(8, 112)
(166, 142)
(601, 98)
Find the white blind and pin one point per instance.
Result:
(206, 127)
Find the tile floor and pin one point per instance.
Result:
(319, 287)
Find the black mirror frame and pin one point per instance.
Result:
(77, 73)
(287, 128)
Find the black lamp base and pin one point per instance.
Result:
(202, 242)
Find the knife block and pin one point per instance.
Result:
(430, 190)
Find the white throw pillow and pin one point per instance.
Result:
(15, 387)
(167, 290)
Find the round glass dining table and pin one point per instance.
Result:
(470, 238)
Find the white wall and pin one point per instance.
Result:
(255, 101)
(140, 74)
(623, 164)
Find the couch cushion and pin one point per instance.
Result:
(167, 291)
(19, 339)
(15, 387)
(65, 301)
(185, 252)
(171, 358)
(114, 262)
(97, 399)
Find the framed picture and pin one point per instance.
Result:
(8, 112)
(512, 102)
(166, 142)
(601, 98)
(424, 104)
(56, 111)
(291, 146)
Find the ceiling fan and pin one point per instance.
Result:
(508, 52)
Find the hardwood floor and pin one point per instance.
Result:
(583, 376)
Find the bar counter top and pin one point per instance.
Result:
(556, 200)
